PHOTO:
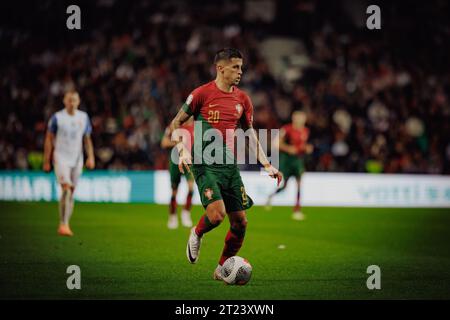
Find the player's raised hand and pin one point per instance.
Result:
(90, 163)
(184, 161)
(274, 173)
(47, 167)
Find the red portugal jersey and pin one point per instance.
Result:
(296, 137)
(219, 111)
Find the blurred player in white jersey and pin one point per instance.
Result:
(67, 129)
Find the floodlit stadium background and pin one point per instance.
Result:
(378, 100)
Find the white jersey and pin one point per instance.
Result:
(69, 131)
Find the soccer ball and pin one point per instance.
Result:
(236, 270)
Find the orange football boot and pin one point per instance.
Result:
(64, 230)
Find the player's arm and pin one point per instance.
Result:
(181, 117)
(166, 143)
(177, 138)
(89, 147)
(48, 149)
(255, 146)
(49, 142)
(309, 148)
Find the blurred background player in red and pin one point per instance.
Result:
(175, 178)
(293, 146)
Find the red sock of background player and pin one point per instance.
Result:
(233, 242)
(297, 203)
(188, 204)
(173, 205)
(204, 226)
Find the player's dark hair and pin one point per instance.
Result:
(227, 54)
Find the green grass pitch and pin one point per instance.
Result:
(125, 251)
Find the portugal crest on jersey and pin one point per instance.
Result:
(208, 193)
(238, 110)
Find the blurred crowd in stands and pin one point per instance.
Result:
(377, 100)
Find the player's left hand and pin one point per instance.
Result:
(274, 173)
(90, 163)
(184, 161)
(47, 167)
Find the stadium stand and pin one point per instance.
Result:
(378, 101)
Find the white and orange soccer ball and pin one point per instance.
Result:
(236, 270)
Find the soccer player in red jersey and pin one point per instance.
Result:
(218, 107)
(293, 145)
(175, 179)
